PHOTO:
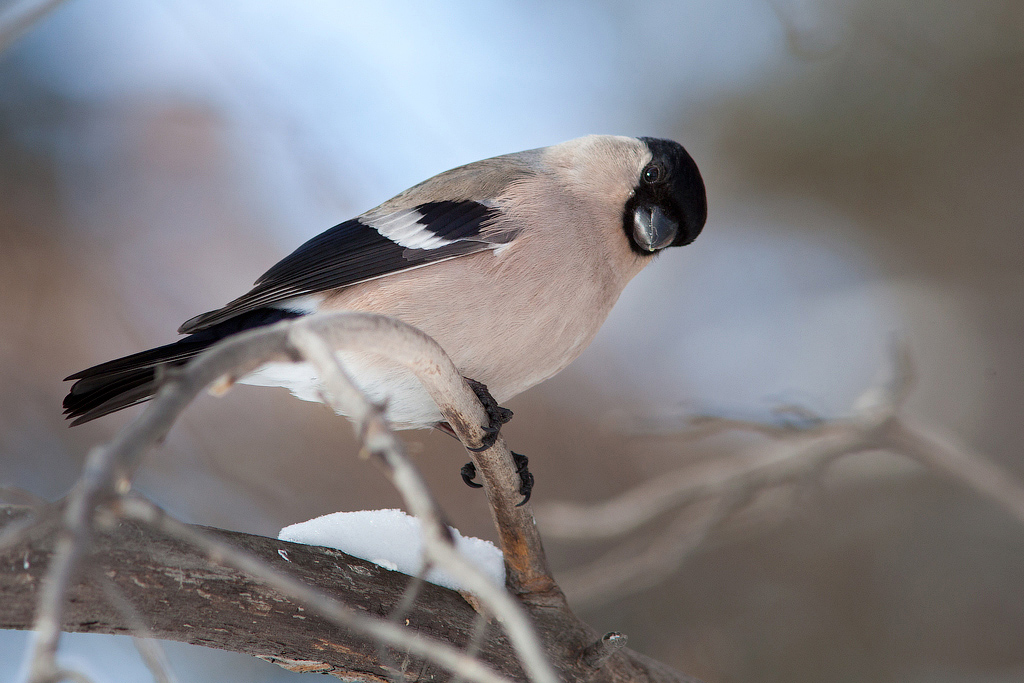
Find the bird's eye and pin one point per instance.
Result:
(652, 173)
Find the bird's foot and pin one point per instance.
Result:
(497, 415)
(468, 473)
(522, 469)
(525, 477)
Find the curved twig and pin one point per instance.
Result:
(106, 481)
(438, 544)
(109, 468)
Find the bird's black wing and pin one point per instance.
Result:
(371, 246)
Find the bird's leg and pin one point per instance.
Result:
(498, 415)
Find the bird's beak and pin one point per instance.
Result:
(652, 229)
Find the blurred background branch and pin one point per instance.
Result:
(797, 456)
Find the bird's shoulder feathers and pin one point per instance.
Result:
(452, 214)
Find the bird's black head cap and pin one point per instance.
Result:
(669, 205)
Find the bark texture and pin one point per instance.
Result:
(186, 596)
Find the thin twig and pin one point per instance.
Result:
(638, 506)
(607, 579)
(73, 538)
(476, 639)
(810, 445)
(438, 545)
(526, 570)
(400, 611)
(149, 649)
(955, 460)
(109, 468)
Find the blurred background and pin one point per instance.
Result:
(863, 159)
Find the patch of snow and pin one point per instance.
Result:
(393, 540)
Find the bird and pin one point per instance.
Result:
(511, 264)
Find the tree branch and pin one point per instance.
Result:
(186, 597)
(100, 500)
(438, 544)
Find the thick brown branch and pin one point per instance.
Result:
(186, 597)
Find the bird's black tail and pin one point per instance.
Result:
(117, 384)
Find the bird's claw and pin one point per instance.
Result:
(525, 476)
(497, 415)
(490, 436)
(468, 473)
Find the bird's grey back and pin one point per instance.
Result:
(480, 181)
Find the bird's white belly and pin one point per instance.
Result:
(407, 403)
